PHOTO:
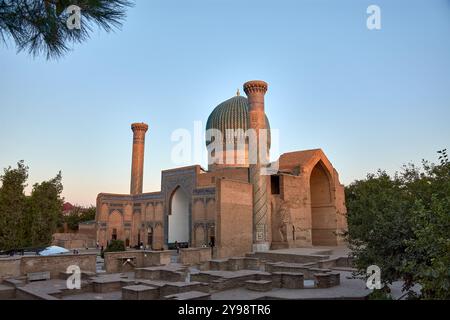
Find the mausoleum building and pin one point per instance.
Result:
(238, 206)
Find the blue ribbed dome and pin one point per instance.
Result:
(231, 114)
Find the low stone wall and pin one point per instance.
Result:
(235, 264)
(327, 280)
(157, 258)
(116, 262)
(194, 256)
(57, 264)
(289, 258)
(74, 240)
(9, 268)
(346, 262)
(258, 285)
(140, 292)
(160, 274)
(21, 266)
(309, 272)
(288, 280)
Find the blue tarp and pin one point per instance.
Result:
(53, 250)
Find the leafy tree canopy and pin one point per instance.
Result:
(401, 223)
(28, 221)
(79, 215)
(40, 26)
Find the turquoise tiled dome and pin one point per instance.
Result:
(231, 114)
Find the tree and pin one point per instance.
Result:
(114, 246)
(44, 206)
(27, 221)
(79, 215)
(402, 224)
(13, 234)
(40, 26)
(430, 248)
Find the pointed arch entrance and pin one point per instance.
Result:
(178, 217)
(150, 238)
(323, 211)
(115, 226)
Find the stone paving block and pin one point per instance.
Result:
(180, 287)
(190, 295)
(15, 282)
(38, 276)
(259, 285)
(221, 264)
(327, 280)
(140, 292)
(252, 263)
(7, 292)
(106, 285)
(290, 280)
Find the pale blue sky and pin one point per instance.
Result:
(369, 99)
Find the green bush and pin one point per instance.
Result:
(379, 295)
(114, 246)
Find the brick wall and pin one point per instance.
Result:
(9, 267)
(57, 264)
(195, 255)
(20, 266)
(234, 227)
(117, 261)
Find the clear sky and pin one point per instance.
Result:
(369, 99)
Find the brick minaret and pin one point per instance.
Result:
(137, 165)
(255, 91)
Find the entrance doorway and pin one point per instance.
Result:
(179, 218)
(323, 213)
(114, 234)
(150, 238)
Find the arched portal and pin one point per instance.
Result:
(323, 212)
(179, 217)
(115, 226)
(150, 238)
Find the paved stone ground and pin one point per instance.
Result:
(348, 289)
(116, 295)
(48, 287)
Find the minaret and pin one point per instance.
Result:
(256, 91)
(137, 165)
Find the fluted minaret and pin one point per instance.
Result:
(256, 91)
(137, 165)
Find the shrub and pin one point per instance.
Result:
(114, 246)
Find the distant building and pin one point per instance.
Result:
(67, 208)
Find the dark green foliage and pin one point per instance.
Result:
(115, 246)
(44, 209)
(379, 295)
(402, 224)
(79, 215)
(39, 26)
(28, 221)
(13, 208)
